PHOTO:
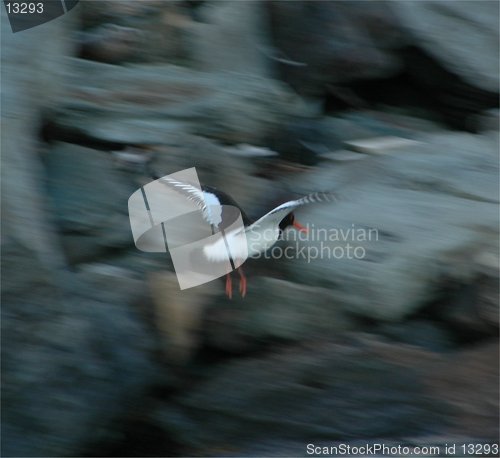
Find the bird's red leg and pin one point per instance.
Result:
(243, 282)
(229, 286)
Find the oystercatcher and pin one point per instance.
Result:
(260, 235)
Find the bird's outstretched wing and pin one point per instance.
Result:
(193, 194)
(262, 234)
(276, 215)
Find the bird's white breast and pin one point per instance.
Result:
(241, 245)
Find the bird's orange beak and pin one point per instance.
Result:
(300, 228)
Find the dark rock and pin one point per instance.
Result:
(72, 361)
(124, 32)
(305, 141)
(421, 333)
(327, 42)
(468, 381)
(110, 43)
(462, 36)
(274, 311)
(440, 58)
(327, 392)
(177, 314)
(94, 14)
(230, 36)
(470, 308)
(146, 104)
(486, 121)
(447, 93)
(32, 65)
(433, 215)
(309, 141)
(89, 198)
(355, 125)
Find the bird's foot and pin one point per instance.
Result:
(229, 286)
(243, 282)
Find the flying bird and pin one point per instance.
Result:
(259, 235)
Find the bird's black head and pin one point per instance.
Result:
(287, 221)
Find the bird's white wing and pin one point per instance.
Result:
(205, 201)
(262, 234)
(274, 217)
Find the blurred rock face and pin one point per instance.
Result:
(335, 42)
(321, 392)
(431, 207)
(67, 369)
(446, 53)
(126, 31)
(104, 355)
(26, 95)
(438, 27)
